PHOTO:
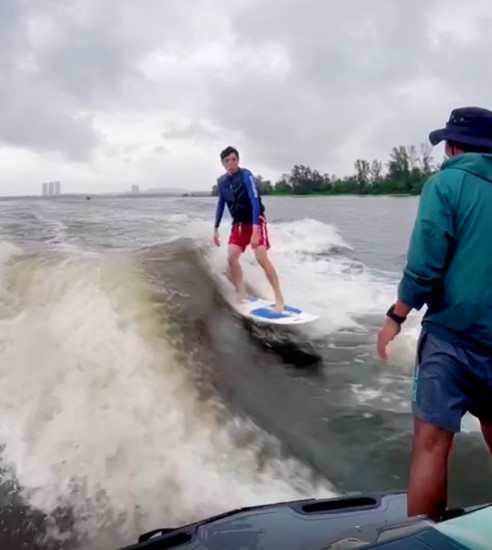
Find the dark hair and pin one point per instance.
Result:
(228, 151)
(470, 148)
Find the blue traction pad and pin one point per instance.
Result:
(268, 313)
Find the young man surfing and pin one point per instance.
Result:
(237, 188)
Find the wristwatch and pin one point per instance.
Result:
(396, 318)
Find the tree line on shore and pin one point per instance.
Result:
(405, 172)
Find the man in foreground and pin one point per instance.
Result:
(449, 268)
(237, 189)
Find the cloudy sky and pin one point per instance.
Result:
(102, 94)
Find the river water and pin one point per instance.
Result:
(133, 397)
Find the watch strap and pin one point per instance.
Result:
(396, 318)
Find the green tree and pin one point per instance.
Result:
(283, 187)
(265, 187)
(362, 176)
(407, 169)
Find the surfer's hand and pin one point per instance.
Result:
(216, 238)
(388, 332)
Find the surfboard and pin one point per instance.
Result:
(262, 311)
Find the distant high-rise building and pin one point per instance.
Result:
(51, 188)
(135, 188)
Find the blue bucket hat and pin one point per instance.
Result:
(466, 126)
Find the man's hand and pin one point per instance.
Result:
(216, 237)
(255, 236)
(388, 332)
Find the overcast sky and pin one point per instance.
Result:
(102, 94)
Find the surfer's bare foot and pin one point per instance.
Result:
(242, 297)
(278, 307)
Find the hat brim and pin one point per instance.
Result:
(437, 136)
(442, 134)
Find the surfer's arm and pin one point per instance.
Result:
(430, 245)
(219, 210)
(250, 183)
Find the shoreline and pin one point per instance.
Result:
(141, 195)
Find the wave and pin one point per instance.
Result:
(110, 411)
(317, 273)
(134, 397)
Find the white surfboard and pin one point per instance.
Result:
(262, 311)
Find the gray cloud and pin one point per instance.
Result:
(362, 77)
(64, 62)
(194, 130)
(316, 82)
(32, 116)
(346, 60)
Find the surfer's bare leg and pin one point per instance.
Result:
(234, 253)
(264, 261)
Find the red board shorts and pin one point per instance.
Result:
(241, 234)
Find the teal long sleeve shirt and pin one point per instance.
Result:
(449, 259)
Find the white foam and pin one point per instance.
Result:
(98, 413)
(315, 274)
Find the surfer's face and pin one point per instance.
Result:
(231, 163)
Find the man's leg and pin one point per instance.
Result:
(264, 261)
(481, 392)
(234, 253)
(487, 433)
(428, 484)
(439, 402)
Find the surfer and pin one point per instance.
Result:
(449, 268)
(237, 189)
